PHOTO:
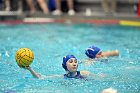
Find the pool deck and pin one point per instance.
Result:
(94, 18)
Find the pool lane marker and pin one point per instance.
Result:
(129, 23)
(62, 20)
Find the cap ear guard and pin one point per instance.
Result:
(64, 66)
(92, 51)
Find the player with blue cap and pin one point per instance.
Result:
(95, 52)
(70, 65)
(66, 59)
(92, 51)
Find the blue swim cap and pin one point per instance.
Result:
(65, 59)
(92, 51)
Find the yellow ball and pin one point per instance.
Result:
(24, 57)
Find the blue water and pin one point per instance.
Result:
(50, 42)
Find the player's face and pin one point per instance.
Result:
(99, 55)
(72, 65)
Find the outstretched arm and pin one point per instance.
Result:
(111, 53)
(35, 74)
(102, 57)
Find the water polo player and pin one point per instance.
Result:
(70, 65)
(94, 53)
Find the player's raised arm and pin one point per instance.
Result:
(24, 57)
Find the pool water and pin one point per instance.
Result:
(50, 42)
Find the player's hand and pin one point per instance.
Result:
(25, 67)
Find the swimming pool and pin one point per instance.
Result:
(50, 42)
